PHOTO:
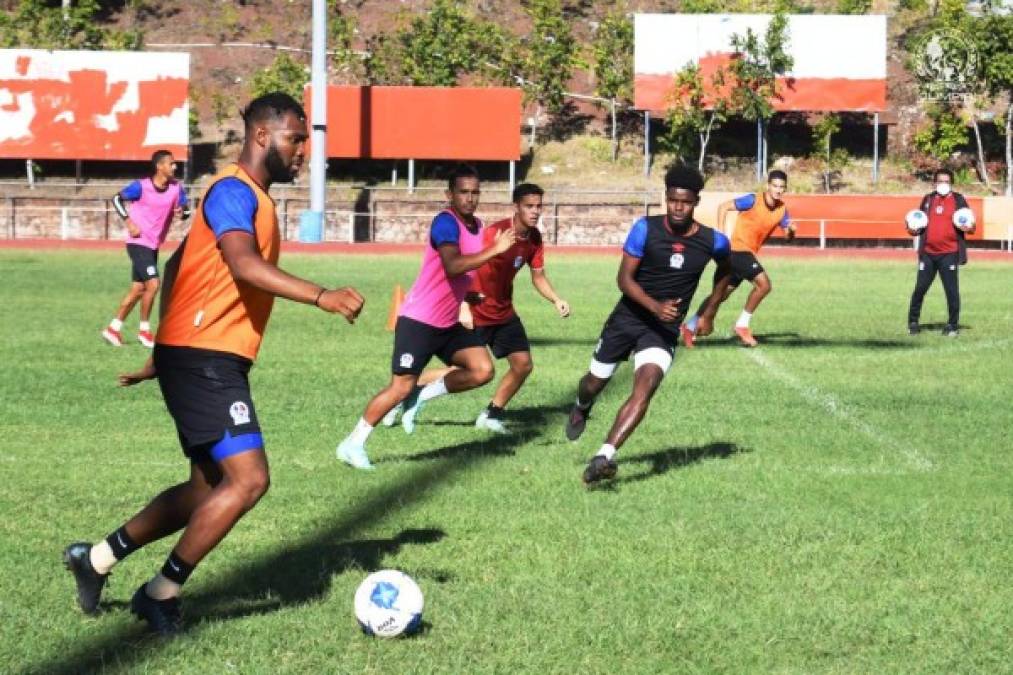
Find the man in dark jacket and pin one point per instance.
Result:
(941, 249)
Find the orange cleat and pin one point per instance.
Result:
(687, 336)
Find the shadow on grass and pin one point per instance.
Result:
(663, 461)
(588, 342)
(299, 571)
(796, 340)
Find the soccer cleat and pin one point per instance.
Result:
(950, 331)
(687, 336)
(599, 469)
(146, 338)
(746, 337)
(576, 422)
(913, 328)
(410, 410)
(491, 423)
(76, 558)
(354, 455)
(390, 419)
(164, 617)
(113, 337)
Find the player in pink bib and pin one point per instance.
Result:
(428, 323)
(147, 207)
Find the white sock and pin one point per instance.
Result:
(433, 389)
(607, 451)
(116, 324)
(743, 321)
(160, 588)
(102, 558)
(583, 406)
(145, 327)
(361, 432)
(693, 320)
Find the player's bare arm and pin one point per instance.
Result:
(541, 283)
(247, 266)
(666, 311)
(456, 264)
(723, 209)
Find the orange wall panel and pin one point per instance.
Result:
(462, 123)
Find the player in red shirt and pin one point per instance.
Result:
(941, 249)
(490, 310)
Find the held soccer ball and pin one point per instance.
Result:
(389, 603)
(916, 220)
(964, 218)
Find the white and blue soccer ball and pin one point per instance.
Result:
(916, 220)
(389, 603)
(963, 218)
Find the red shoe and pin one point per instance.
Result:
(146, 338)
(746, 337)
(113, 337)
(687, 336)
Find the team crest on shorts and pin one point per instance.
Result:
(407, 360)
(677, 260)
(240, 413)
(518, 262)
(151, 270)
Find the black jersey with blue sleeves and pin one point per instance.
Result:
(671, 263)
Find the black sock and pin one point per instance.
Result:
(121, 543)
(495, 412)
(176, 569)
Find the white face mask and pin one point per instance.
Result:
(942, 189)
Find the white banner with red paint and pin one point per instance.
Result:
(93, 104)
(839, 61)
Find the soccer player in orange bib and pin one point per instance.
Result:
(220, 286)
(758, 215)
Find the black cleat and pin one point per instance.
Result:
(89, 582)
(576, 422)
(913, 328)
(164, 617)
(599, 469)
(950, 331)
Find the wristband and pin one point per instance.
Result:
(316, 300)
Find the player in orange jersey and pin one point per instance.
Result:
(219, 289)
(758, 215)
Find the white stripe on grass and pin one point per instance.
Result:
(829, 404)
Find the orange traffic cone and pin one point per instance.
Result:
(396, 300)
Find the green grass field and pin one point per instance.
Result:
(839, 500)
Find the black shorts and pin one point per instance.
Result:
(627, 333)
(505, 338)
(143, 262)
(415, 343)
(744, 266)
(208, 395)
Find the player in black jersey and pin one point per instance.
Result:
(663, 259)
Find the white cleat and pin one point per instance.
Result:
(354, 455)
(490, 424)
(390, 419)
(410, 410)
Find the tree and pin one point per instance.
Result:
(944, 133)
(756, 67)
(995, 35)
(285, 74)
(832, 160)
(438, 46)
(854, 6)
(696, 107)
(342, 29)
(46, 26)
(613, 63)
(548, 55)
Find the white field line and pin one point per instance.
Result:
(829, 404)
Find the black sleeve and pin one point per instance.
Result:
(959, 199)
(926, 201)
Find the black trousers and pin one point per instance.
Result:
(948, 266)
